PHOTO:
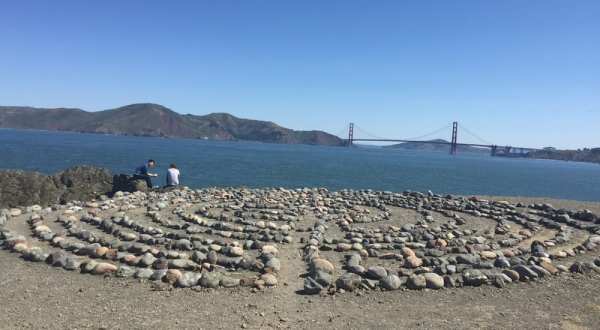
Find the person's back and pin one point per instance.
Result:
(141, 170)
(172, 176)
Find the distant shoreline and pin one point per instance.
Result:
(388, 147)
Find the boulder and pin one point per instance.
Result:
(126, 183)
(21, 188)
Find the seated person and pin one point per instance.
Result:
(142, 173)
(172, 176)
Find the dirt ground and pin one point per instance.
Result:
(34, 295)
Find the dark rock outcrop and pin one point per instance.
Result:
(21, 188)
(124, 182)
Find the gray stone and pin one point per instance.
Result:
(212, 257)
(273, 264)
(88, 266)
(125, 271)
(188, 279)
(539, 270)
(158, 274)
(229, 282)
(198, 257)
(210, 280)
(469, 259)
(57, 259)
(348, 281)
(416, 282)
(376, 272)
(501, 262)
(357, 269)
(311, 286)
(147, 260)
(72, 264)
(37, 255)
(186, 264)
(183, 244)
(525, 272)
(143, 273)
(434, 281)
(323, 278)
(449, 281)
(390, 282)
(474, 277)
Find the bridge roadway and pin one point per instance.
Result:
(494, 148)
(430, 142)
(504, 150)
(440, 142)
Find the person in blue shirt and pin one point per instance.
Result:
(142, 173)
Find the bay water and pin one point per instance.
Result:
(214, 163)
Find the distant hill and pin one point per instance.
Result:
(582, 155)
(438, 146)
(148, 119)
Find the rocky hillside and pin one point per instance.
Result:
(581, 155)
(147, 119)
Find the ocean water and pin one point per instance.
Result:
(211, 163)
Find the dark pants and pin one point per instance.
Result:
(145, 178)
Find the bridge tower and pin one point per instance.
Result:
(454, 138)
(350, 134)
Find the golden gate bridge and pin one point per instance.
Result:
(453, 144)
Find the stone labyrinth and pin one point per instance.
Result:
(328, 241)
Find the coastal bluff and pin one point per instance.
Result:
(18, 188)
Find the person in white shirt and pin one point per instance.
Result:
(172, 175)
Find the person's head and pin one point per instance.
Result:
(172, 166)
(151, 163)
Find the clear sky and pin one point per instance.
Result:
(514, 72)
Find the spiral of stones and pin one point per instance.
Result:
(231, 237)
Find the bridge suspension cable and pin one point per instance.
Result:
(374, 136)
(477, 137)
(343, 133)
(362, 131)
(430, 134)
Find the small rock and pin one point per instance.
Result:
(320, 264)
(391, 282)
(269, 279)
(210, 280)
(416, 282)
(474, 277)
(434, 281)
(348, 281)
(104, 268)
(377, 272)
(311, 286)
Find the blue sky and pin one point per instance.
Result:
(515, 72)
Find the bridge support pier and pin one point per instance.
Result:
(494, 149)
(350, 134)
(453, 144)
